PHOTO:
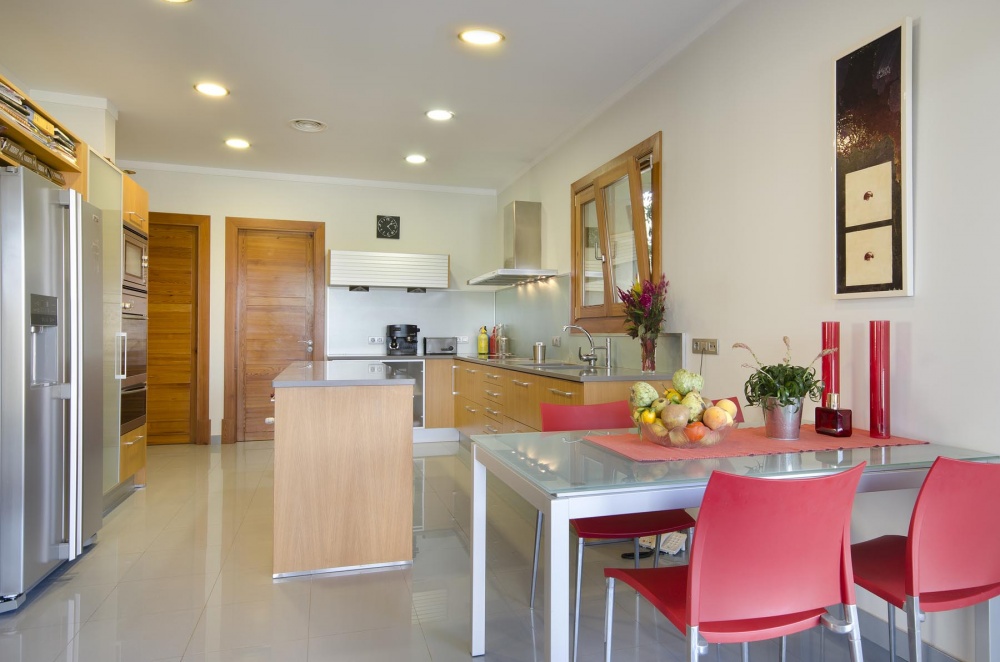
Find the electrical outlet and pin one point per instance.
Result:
(463, 339)
(557, 341)
(372, 340)
(705, 346)
(379, 340)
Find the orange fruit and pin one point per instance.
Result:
(695, 431)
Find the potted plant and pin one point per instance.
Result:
(779, 389)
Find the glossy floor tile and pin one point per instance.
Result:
(182, 571)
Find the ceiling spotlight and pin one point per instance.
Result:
(237, 143)
(481, 37)
(416, 158)
(177, 2)
(307, 126)
(440, 115)
(211, 89)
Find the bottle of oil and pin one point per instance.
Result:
(483, 344)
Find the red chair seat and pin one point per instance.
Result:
(632, 525)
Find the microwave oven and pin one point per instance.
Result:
(135, 259)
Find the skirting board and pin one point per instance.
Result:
(875, 630)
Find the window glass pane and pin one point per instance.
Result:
(593, 265)
(618, 210)
(646, 181)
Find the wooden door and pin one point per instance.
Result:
(274, 296)
(177, 402)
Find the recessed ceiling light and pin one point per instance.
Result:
(416, 158)
(177, 2)
(440, 115)
(211, 89)
(237, 143)
(481, 37)
(307, 125)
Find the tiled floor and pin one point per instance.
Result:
(182, 571)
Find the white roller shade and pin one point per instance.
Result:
(359, 268)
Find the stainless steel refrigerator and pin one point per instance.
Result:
(51, 392)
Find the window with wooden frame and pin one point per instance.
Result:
(615, 234)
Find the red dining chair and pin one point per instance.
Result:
(556, 418)
(951, 556)
(768, 557)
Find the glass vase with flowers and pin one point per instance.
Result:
(644, 309)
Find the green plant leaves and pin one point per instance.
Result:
(786, 383)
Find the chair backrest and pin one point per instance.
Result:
(954, 539)
(766, 547)
(557, 418)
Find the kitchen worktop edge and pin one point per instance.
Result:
(577, 373)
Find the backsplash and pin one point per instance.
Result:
(535, 312)
(530, 313)
(354, 316)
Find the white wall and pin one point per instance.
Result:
(747, 119)
(432, 221)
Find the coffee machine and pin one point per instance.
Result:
(401, 339)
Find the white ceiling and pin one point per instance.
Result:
(368, 68)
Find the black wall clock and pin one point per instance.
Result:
(387, 227)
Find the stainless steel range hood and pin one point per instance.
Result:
(522, 247)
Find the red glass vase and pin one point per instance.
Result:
(648, 346)
(878, 355)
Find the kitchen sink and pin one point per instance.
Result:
(529, 363)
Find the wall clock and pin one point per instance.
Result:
(387, 227)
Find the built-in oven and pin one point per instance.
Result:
(132, 351)
(135, 259)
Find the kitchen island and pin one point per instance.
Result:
(343, 468)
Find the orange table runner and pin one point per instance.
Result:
(742, 442)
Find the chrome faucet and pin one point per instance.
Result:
(591, 357)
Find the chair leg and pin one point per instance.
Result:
(913, 628)
(609, 603)
(635, 545)
(693, 649)
(745, 651)
(579, 584)
(891, 620)
(656, 552)
(783, 649)
(854, 634)
(534, 560)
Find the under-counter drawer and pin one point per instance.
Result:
(132, 454)
(561, 392)
(510, 426)
(467, 379)
(523, 393)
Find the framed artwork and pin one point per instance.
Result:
(873, 233)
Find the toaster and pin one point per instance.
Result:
(447, 345)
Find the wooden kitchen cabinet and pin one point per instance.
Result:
(496, 400)
(135, 205)
(440, 377)
(132, 455)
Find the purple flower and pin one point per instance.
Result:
(646, 300)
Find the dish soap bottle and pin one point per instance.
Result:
(831, 419)
(483, 343)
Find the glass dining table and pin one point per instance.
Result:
(566, 477)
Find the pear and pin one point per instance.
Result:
(675, 416)
(659, 404)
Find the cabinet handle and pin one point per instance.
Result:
(491, 429)
(491, 394)
(269, 420)
(491, 376)
(132, 213)
(517, 383)
(454, 391)
(471, 371)
(565, 394)
(470, 409)
(492, 411)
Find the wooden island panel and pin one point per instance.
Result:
(343, 477)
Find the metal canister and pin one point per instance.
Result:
(538, 352)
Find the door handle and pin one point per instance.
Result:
(453, 369)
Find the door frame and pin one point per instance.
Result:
(233, 227)
(203, 224)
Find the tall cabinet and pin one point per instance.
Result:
(121, 200)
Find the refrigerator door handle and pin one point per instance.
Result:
(72, 224)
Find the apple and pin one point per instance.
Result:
(728, 405)
(715, 417)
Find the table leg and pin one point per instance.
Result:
(478, 556)
(987, 618)
(557, 585)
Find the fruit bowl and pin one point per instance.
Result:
(683, 437)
